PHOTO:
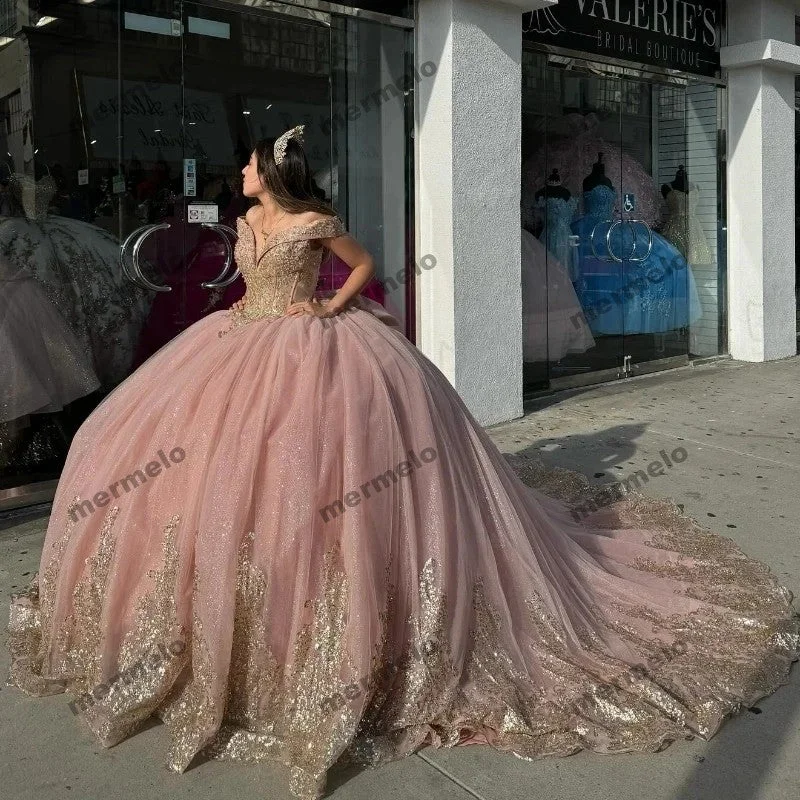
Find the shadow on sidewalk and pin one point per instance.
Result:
(740, 760)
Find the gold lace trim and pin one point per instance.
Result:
(548, 687)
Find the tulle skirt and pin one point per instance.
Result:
(43, 366)
(292, 541)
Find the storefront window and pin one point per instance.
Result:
(125, 127)
(797, 195)
(371, 145)
(621, 220)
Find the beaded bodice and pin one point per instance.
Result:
(287, 269)
(599, 202)
(682, 204)
(34, 196)
(558, 211)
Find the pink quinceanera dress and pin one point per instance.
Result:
(288, 538)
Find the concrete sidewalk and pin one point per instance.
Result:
(739, 425)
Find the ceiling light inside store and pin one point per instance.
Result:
(45, 21)
(94, 141)
(245, 112)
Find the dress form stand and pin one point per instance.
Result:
(683, 227)
(554, 188)
(597, 177)
(558, 206)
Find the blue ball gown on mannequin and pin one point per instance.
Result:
(651, 291)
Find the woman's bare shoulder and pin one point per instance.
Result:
(252, 215)
(309, 217)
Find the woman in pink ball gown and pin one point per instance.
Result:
(287, 537)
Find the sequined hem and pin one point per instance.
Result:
(539, 687)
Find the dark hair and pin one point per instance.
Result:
(290, 182)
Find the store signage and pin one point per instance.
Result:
(202, 212)
(160, 121)
(397, 8)
(678, 34)
(190, 177)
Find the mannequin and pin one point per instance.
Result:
(597, 177)
(559, 207)
(630, 282)
(683, 228)
(680, 184)
(554, 188)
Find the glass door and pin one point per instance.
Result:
(658, 296)
(220, 79)
(126, 126)
(571, 268)
(620, 218)
(125, 139)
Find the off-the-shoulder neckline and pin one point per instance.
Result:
(278, 237)
(329, 218)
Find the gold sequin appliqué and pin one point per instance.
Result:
(548, 687)
(285, 272)
(31, 622)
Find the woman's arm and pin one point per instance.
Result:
(361, 265)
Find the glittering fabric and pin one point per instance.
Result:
(77, 265)
(683, 228)
(327, 560)
(572, 146)
(558, 215)
(291, 273)
(43, 366)
(552, 323)
(655, 295)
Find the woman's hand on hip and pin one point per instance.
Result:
(311, 307)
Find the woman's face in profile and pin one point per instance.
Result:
(251, 183)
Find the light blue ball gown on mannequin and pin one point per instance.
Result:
(653, 295)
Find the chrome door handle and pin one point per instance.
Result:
(594, 249)
(649, 243)
(608, 241)
(630, 222)
(131, 276)
(223, 231)
(135, 259)
(632, 257)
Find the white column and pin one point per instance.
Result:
(762, 60)
(469, 302)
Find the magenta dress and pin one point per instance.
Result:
(288, 538)
(188, 301)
